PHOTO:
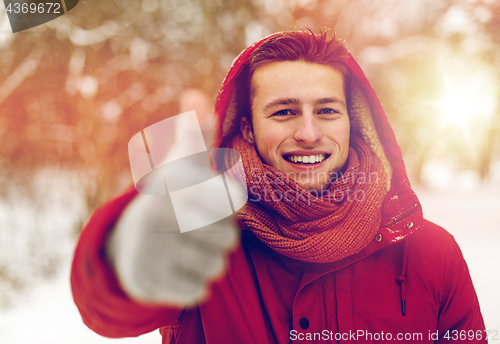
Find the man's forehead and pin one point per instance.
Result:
(292, 63)
(288, 70)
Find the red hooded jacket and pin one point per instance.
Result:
(410, 283)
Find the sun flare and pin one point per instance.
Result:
(465, 99)
(457, 107)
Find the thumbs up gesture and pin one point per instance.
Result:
(156, 263)
(174, 238)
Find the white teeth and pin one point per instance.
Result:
(306, 159)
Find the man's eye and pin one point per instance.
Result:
(282, 113)
(328, 111)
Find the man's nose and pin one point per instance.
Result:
(308, 131)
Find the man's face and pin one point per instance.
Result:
(300, 121)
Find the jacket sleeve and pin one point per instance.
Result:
(103, 305)
(460, 318)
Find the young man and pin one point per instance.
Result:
(331, 246)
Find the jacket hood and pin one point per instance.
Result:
(368, 120)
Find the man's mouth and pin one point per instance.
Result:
(306, 159)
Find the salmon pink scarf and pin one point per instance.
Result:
(308, 227)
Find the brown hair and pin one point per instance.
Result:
(324, 48)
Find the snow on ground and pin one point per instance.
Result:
(49, 316)
(468, 210)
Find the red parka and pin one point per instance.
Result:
(410, 283)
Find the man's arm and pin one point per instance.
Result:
(134, 271)
(103, 305)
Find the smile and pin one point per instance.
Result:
(306, 159)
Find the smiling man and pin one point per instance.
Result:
(305, 265)
(299, 122)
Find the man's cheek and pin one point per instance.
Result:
(262, 152)
(267, 151)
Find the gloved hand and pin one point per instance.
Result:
(156, 263)
(153, 260)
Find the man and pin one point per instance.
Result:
(331, 247)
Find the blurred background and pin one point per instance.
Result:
(73, 91)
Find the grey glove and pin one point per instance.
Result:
(156, 263)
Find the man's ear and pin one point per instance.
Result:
(246, 130)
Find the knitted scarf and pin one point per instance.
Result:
(313, 227)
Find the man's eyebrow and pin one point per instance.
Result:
(283, 101)
(330, 100)
(295, 101)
